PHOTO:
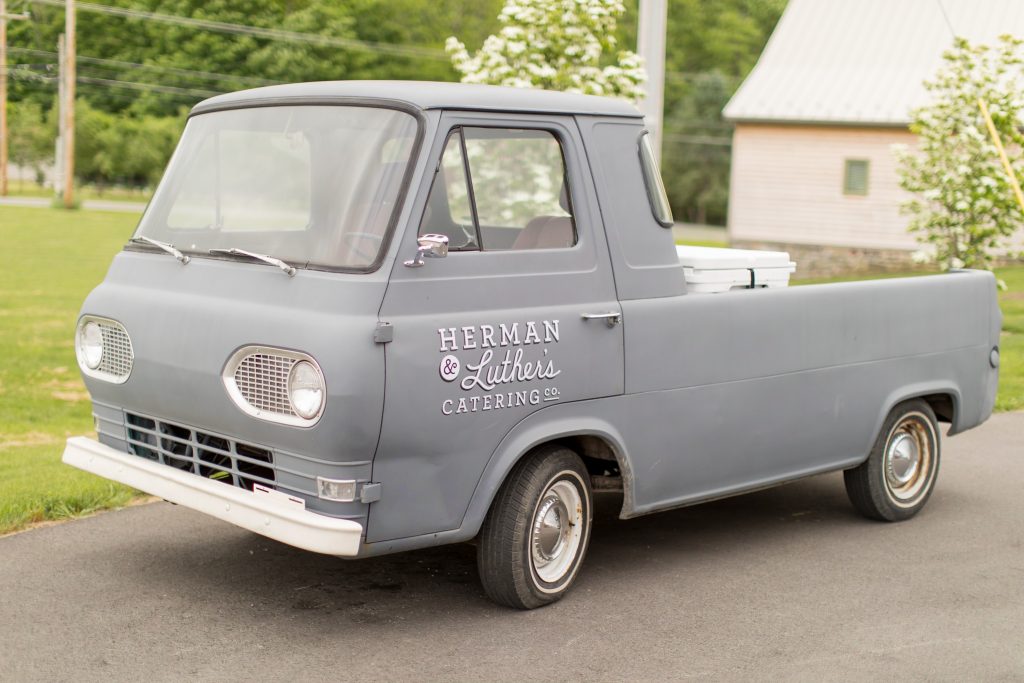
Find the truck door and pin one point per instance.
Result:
(520, 316)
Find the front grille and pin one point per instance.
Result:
(208, 455)
(117, 350)
(262, 379)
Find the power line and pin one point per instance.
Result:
(269, 33)
(209, 75)
(686, 76)
(31, 80)
(700, 140)
(24, 71)
(123, 85)
(945, 16)
(133, 85)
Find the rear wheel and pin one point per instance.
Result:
(894, 483)
(536, 534)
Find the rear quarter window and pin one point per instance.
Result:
(656, 194)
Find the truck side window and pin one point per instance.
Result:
(449, 210)
(516, 197)
(655, 188)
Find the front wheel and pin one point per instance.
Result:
(536, 534)
(896, 480)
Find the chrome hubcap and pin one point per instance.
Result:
(551, 528)
(909, 459)
(904, 458)
(556, 532)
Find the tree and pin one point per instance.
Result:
(725, 36)
(31, 140)
(696, 167)
(965, 207)
(556, 45)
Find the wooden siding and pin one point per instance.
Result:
(787, 186)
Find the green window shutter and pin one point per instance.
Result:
(855, 178)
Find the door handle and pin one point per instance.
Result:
(612, 319)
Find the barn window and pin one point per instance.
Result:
(855, 179)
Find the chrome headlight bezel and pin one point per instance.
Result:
(258, 381)
(116, 355)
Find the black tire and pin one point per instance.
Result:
(898, 477)
(514, 567)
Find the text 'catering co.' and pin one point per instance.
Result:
(491, 358)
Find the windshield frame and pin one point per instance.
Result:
(256, 103)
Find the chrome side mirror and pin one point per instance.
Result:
(431, 246)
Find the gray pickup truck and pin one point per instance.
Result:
(362, 318)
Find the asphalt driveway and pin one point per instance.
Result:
(782, 584)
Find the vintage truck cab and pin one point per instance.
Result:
(369, 317)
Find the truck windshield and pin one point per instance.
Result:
(315, 186)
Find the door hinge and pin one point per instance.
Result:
(384, 333)
(369, 493)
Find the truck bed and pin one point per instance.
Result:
(738, 390)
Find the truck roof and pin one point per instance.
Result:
(428, 95)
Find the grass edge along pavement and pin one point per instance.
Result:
(53, 258)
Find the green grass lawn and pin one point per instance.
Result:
(26, 189)
(52, 259)
(1011, 346)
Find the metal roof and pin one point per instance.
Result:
(861, 62)
(428, 95)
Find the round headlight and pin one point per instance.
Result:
(305, 390)
(90, 343)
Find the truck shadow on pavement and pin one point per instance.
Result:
(241, 572)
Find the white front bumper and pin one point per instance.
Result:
(264, 514)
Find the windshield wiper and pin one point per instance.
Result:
(169, 248)
(259, 257)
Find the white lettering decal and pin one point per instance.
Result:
(510, 369)
(550, 331)
(447, 336)
(531, 334)
(449, 368)
(494, 368)
(487, 336)
(510, 335)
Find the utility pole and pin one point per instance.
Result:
(58, 149)
(651, 27)
(4, 18)
(69, 104)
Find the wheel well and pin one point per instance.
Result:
(942, 404)
(604, 464)
(596, 453)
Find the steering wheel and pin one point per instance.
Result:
(353, 239)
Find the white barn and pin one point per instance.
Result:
(815, 121)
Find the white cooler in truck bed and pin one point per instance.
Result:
(711, 269)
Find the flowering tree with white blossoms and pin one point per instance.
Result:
(555, 45)
(965, 207)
